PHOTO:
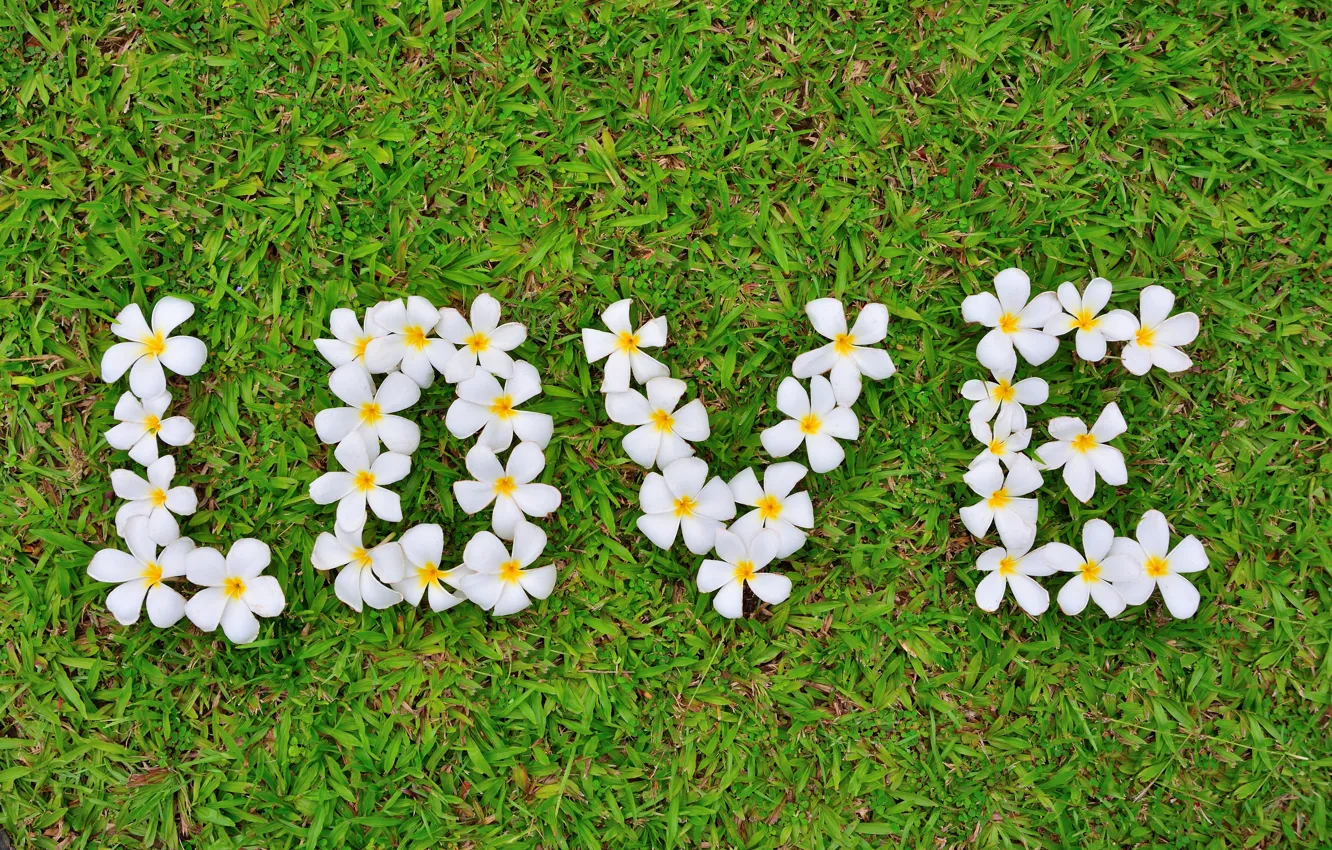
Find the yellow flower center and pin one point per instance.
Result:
(842, 344)
(1004, 391)
(744, 571)
(361, 558)
(502, 407)
(1145, 337)
(1008, 566)
(996, 447)
(998, 499)
(510, 571)
(684, 506)
(663, 420)
(1086, 321)
(429, 573)
(154, 345)
(1091, 572)
(152, 424)
(157, 496)
(371, 413)
(364, 481)
(505, 486)
(152, 573)
(1156, 567)
(811, 424)
(1083, 443)
(627, 343)
(769, 507)
(477, 342)
(359, 347)
(233, 587)
(1008, 323)
(415, 337)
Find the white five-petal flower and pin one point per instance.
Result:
(511, 487)
(663, 433)
(1002, 394)
(483, 341)
(1096, 566)
(1002, 503)
(142, 572)
(1015, 322)
(406, 343)
(816, 420)
(624, 347)
(423, 551)
(500, 582)
(1002, 443)
(741, 564)
(681, 498)
(150, 347)
(1013, 568)
(1084, 454)
(234, 591)
(153, 498)
(141, 426)
(370, 412)
(350, 338)
(1155, 339)
(365, 572)
(775, 506)
(1161, 566)
(848, 355)
(1081, 313)
(482, 405)
(363, 481)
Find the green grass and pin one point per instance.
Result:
(721, 164)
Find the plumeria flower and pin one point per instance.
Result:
(1080, 312)
(624, 346)
(141, 426)
(350, 338)
(816, 421)
(150, 348)
(365, 572)
(423, 550)
(1084, 454)
(362, 482)
(848, 356)
(153, 498)
(1002, 394)
(1096, 566)
(1002, 443)
(663, 433)
(370, 412)
(484, 340)
(142, 572)
(1161, 566)
(234, 591)
(742, 562)
(1002, 503)
(500, 582)
(1015, 322)
(406, 343)
(775, 507)
(1153, 341)
(681, 498)
(511, 487)
(1013, 568)
(482, 405)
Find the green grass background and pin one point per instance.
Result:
(721, 164)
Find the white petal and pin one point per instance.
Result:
(534, 427)
(1136, 359)
(691, 421)
(841, 423)
(1031, 391)
(375, 594)
(1033, 598)
(1170, 359)
(845, 382)
(1073, 596)
(1107, 598)
(473, 496)
(712, 574)
(791, 538)
(1109, 425)
(1155, 303)
(176, 431)
(1013, 288)
(1109, 464)
(239, 623)
(484, 589)
(827, 316)
(1016, 524)
(330, 487)
(400, 435)
(1097, 538)
(729, 601)
(672, 448)
(770, 587)
(984, 480)
(659, 528)
(1062, 557)
(484, 553)
(537, 500)
(538, 582)
(662, 394)
(1136, 591)
(465, 418)
(616, 373)
(181, 501)
(699, 533)
(351, 510)
(1188, 556)
(652, 334)
(264, 597)
(779, 479)
(1118, 325)
(114, 566)
(126, 434)
(130, 324)
(165, 606)
(512, 599)
(686, 477)
(1036, 346)
(792, 398)
(815, 362)
(329, 552)
(1177, 330)
(453, 327)
(528, 542)
(655, 496)
(386, 505)
(1154, 534)
(798, 509)
(871, 325)
(995, 351)
(641, 445)
(745, 487)
(204, 609)
(990, 591)
(146, 377)
(125, 602)
(977, 518)
(248, 557)
(821, 396)
(1080, 476)
(629, 407)
(461, 367)
(1069, 297)
(162, 527)
(982, 307)
(498, 434)
(1180, 596)
(874, 363)
(824, 452)
(1090, 345)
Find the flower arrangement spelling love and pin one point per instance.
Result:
(681, 501)
(1111, 571)
(409, 342)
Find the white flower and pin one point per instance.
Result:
(681, 498)
(741, 564)
(484, 340)
(1002, 394)
(370, 411)
(149, 348)
(154, 498)
(499, 583)
(1081, 313)
(1084, 454)
(365, 572)
(1001, 442)
(1161, 566)
(775, 506)
(1013, 568)
(847, 357)
(423, 551)
(625, 347)
(142, 572)
(483, 406)
(1097, 567)
(1014, 322)
(1002, 503)
(662, 431)
(1153, 340)
(510, 487)
(405, 344)
(816, 420)
(141, 426)
(234, 591)
(350, 339)
(366, 472)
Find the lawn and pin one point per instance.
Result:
(721, 164)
